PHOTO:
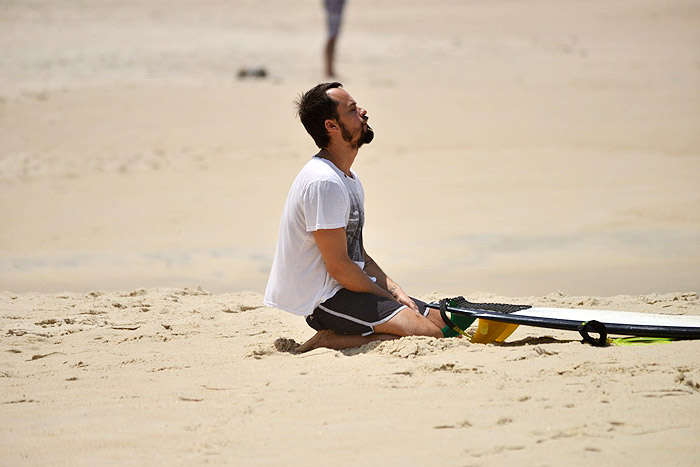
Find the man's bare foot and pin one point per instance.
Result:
(312, 343)
(331, 340)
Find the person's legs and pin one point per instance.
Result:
(330, 57)
(435, 318)
(351, 319)
(409, 323)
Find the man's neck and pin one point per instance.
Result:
(340, 157)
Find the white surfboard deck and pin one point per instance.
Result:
(612, 317)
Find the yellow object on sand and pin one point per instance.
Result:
(492, 331)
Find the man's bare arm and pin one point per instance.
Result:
(333, 246)
(384, 281)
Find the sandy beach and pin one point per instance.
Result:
(526, 152)
(184, 377)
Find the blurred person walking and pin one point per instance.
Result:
(334, 16)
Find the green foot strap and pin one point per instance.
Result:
(449, 332)
(452, 329)
(462, 321)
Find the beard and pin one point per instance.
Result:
(366, 136)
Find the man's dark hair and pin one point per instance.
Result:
(314, 108)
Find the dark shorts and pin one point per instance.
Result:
(334, 13)
(356, 313)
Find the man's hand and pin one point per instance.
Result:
(401, 297)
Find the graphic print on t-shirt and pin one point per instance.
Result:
(353, 231)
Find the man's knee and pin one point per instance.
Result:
(409, 323)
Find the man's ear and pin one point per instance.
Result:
(330, 125)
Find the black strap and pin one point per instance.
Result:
(596, 327)
(443, 314)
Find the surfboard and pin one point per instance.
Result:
(624, 323)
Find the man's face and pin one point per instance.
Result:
(352, 119)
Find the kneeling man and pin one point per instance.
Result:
(321, 269)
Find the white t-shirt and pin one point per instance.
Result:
(321, 197)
